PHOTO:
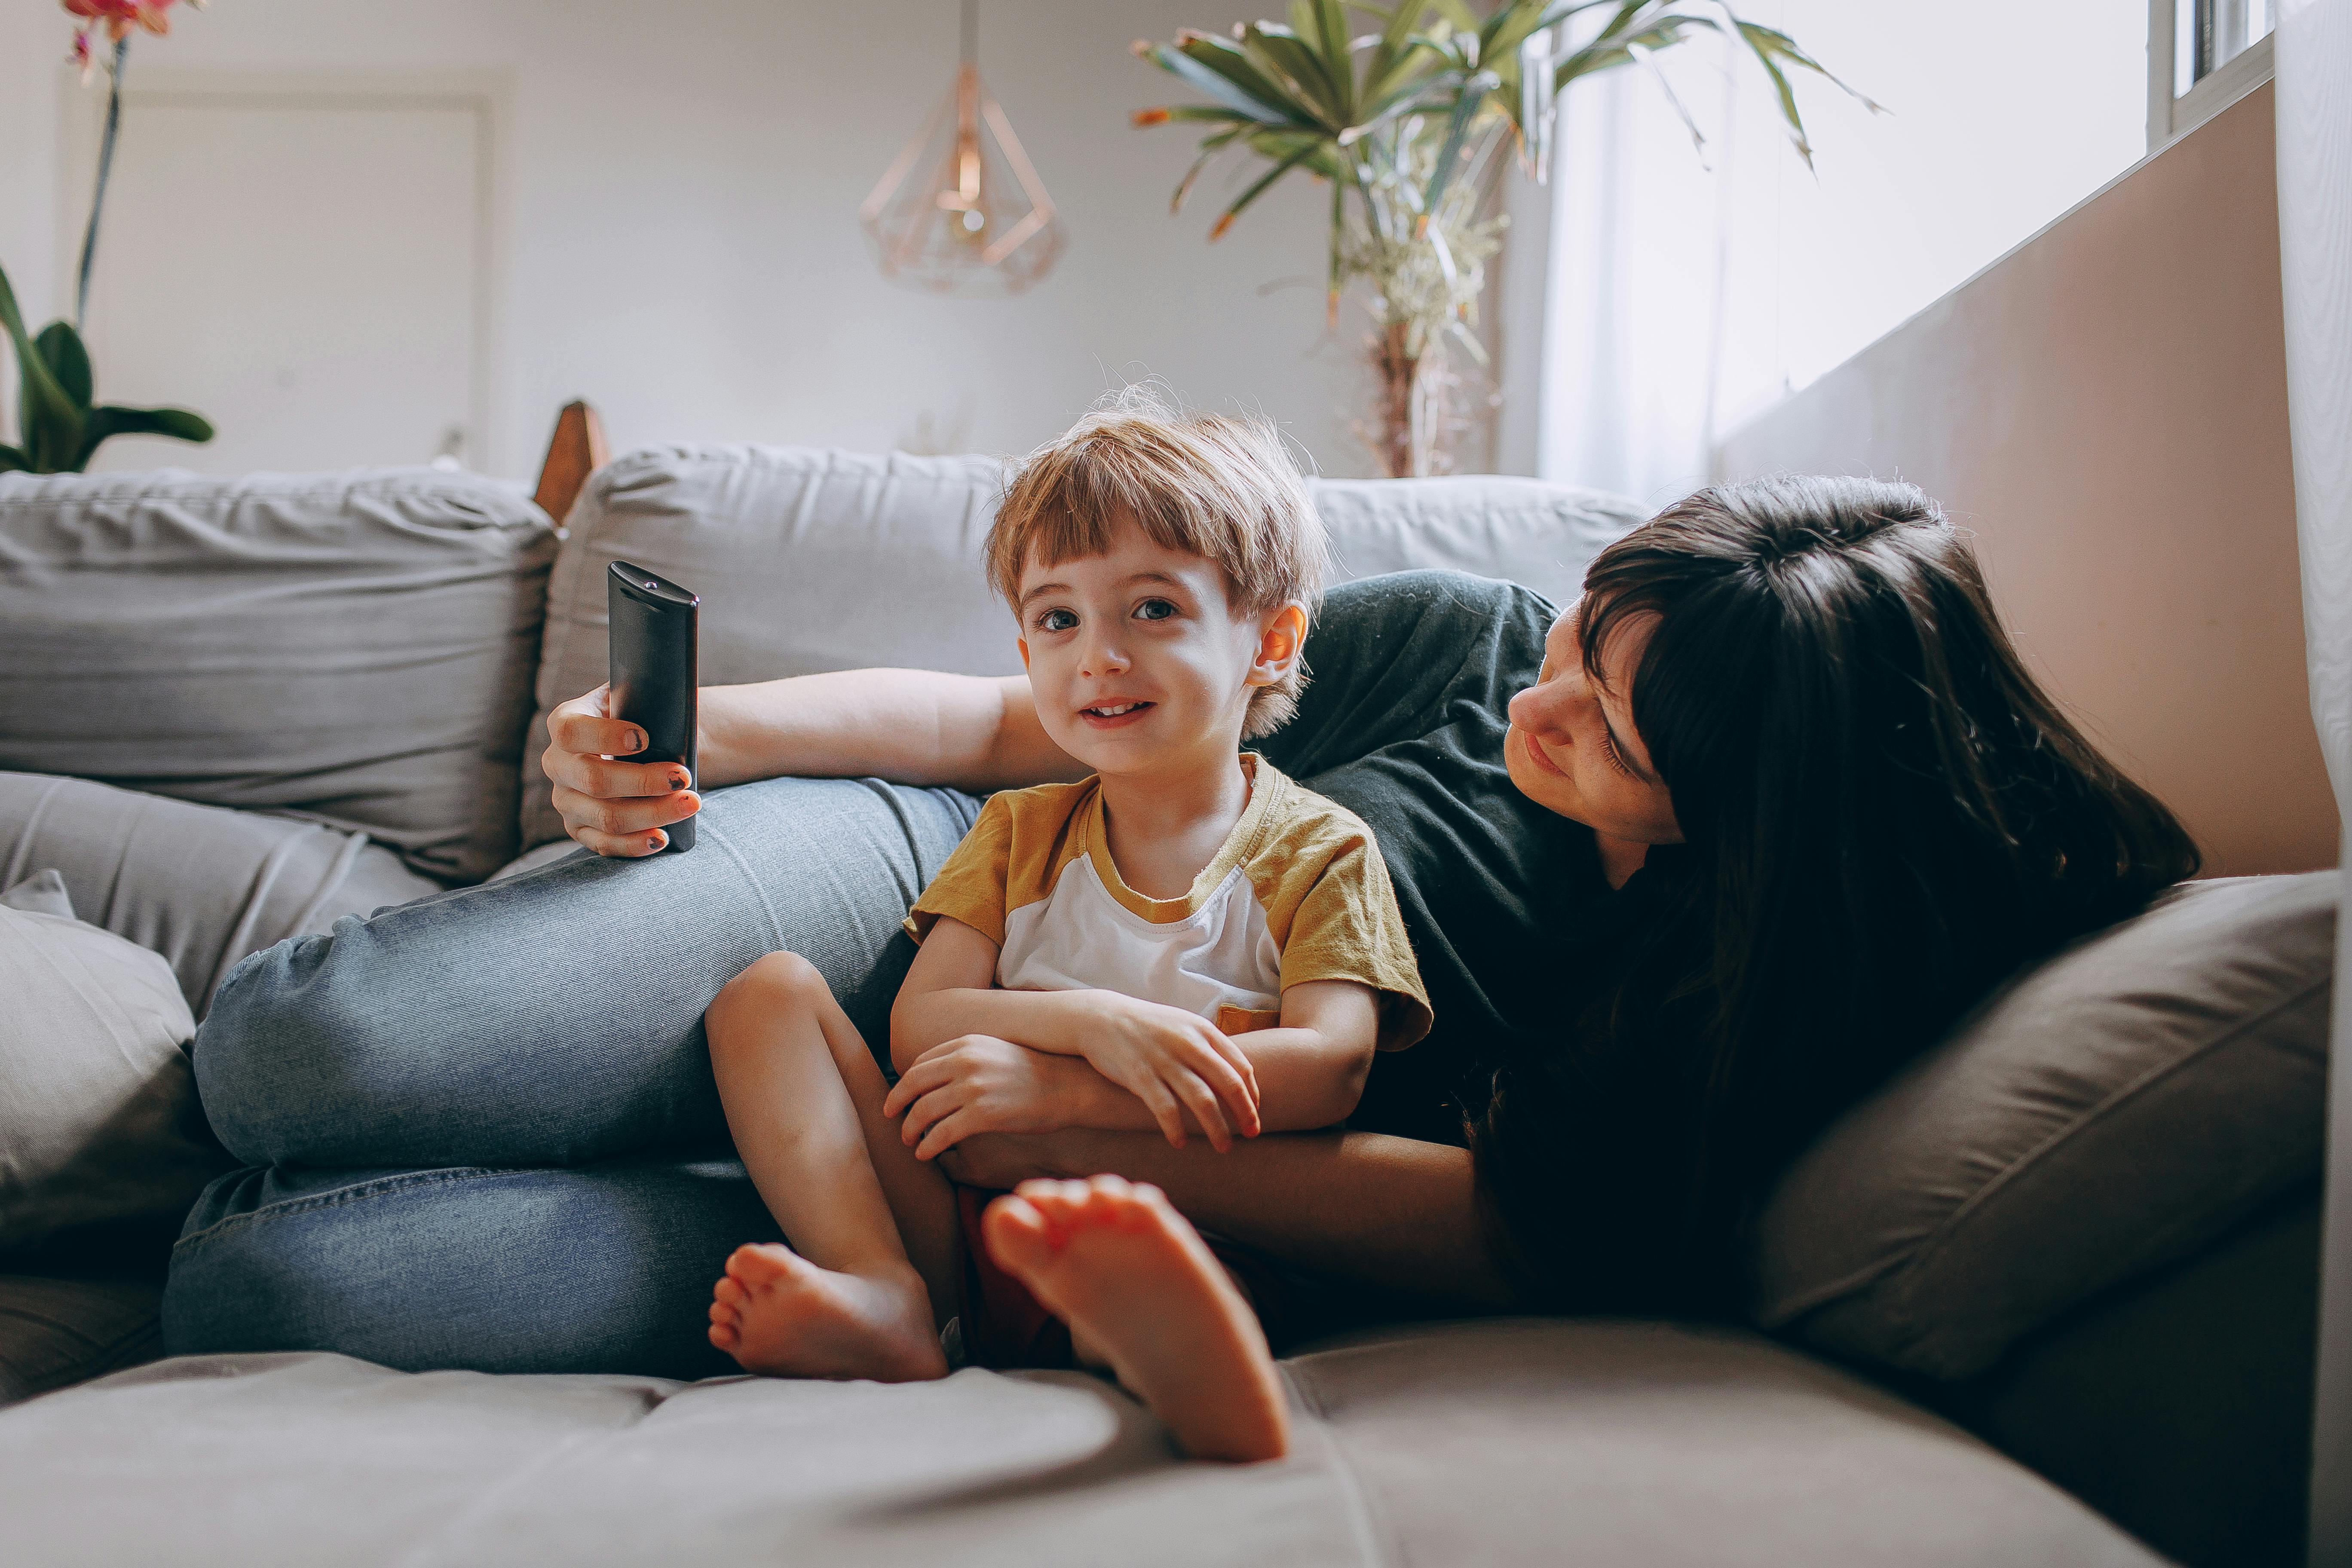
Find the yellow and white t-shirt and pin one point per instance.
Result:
(1298, 893)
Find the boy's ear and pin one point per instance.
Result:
(1279, 645)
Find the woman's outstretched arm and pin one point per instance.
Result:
(910, 726)
(1396, 1213)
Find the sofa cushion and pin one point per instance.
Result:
(55, 1332)
(202, 885)
(1511, 1443)
(809, 561)
(42, 893)
(2119, 1107)
(357, 648)
(98, 1121)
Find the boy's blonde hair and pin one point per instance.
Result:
(1207, 484)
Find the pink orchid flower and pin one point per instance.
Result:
(118, 18)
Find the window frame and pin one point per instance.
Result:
(2169, 118)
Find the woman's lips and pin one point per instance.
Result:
(1096, 720)
(1537, 755)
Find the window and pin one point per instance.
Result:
(2202, 57)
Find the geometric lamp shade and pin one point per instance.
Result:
(961, 210)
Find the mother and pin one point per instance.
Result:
(1809, 808)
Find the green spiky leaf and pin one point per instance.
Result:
(12, 460)
(1241, 202)
(1300, 70)
(1218, 67)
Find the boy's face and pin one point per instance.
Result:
(1136, 662)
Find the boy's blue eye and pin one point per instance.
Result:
(1154, 610)
(1056, 621)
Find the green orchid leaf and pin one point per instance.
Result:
(12, 460)
(47, 419)
(61, 350)
(180, 423)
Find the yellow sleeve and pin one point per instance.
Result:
(970, 887)
(1347, 927)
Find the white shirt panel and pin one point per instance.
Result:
(1079, 938)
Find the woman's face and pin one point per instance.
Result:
(1572, 748)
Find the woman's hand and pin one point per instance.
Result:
(975, 1084)
(1173, 1062)
(613, 807)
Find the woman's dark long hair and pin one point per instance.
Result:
(1884, 816)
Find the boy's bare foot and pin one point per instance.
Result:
(779, 1314)
(1128, 1273)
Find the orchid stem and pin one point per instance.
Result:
(105, 167)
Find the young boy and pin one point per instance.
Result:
(1220, 947)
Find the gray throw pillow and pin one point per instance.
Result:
(98, 1119)
(2120, 1107)
(42, 893)
(355, 648)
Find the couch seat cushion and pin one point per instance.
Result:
(1509, 1442)
(57, 1331)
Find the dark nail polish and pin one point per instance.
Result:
(636, 740)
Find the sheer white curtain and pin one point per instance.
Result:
(1687, 292)
(2314, 173)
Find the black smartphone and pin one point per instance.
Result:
(651, 635)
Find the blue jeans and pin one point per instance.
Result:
(456, 1171)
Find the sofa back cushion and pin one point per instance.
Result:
(2117, 1107)
(356, 648)
(809, 561)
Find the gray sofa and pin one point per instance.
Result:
(2047, 1297)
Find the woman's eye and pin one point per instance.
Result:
(1056, 621)
(1154, 610)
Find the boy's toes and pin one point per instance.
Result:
(758, 1263)
(1056, 1203)
(1019, 1236)
(728, 1292)
(725, 1337)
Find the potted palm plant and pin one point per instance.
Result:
(1403, 124)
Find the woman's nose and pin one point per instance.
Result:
(1532, 708)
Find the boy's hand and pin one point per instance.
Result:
(970, 1084)
(1175, 1061)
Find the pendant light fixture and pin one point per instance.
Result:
(966, 213)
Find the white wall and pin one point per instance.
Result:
(2105, 408)
(682, 185)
